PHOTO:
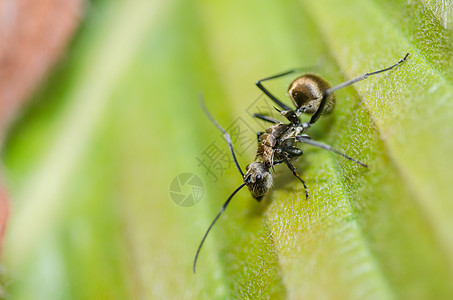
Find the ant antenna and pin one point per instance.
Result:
(213, 222)
(270, 95)
(226, 135)
(317, 114)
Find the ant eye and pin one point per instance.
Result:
(258, 177)
(248, 179)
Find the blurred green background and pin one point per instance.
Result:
(90, 162)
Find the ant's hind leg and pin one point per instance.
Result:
(329, 91)
(307, 140)
(269, 94)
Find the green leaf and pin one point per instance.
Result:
(90, 172)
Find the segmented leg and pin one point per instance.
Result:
(307, 140)
(293, 169)
(318, 112)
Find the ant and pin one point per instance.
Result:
(310, 94)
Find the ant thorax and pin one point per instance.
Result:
(273, 143)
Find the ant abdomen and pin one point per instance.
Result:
(307, 91)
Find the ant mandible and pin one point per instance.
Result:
(310, 94)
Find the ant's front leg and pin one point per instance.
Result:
(293, 169)
(269, 94)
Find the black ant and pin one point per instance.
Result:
(310, 94)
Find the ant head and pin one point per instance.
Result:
(307, 91)
(258, 179)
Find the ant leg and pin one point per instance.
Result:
(292, 151)
(226, 135)
(269, 94)
(308, 140)
(329, 91)
(293, 169)
(266, 118)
